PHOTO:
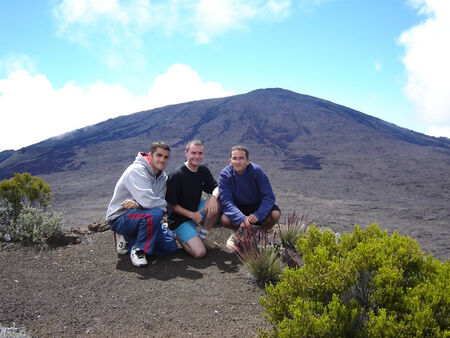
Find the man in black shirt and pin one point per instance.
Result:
(187, 211)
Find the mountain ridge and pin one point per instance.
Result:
(82, 136)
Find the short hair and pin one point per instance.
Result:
(241, 147)
(159, 144)
(196, 142)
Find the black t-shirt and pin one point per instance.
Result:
(184, 187)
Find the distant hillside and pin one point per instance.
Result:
(338, 164)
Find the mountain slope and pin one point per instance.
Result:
(340, 165)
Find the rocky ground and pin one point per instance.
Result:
(86, 289)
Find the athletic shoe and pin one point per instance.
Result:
(138, 257)
(202, 233)
(232, 242)
(121, 244)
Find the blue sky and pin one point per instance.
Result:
(67, 64)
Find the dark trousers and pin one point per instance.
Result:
(143, 229)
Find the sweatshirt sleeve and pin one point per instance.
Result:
(267, 196)
(227, 203)
(140, 186)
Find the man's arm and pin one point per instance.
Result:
(196, 216)
(267, 196)
(227, 203)
(140, 186)
(212, 204)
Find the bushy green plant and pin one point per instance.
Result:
(34, 225)
(24, 189)
(367, 284)
(6, 215)
(23, 200)
(261, 260)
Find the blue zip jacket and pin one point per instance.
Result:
(251, 187)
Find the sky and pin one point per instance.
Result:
(68, 64)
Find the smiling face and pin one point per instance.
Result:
(194, 155)
(239, 160)
(158, 160)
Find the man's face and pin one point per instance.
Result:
(194, 155)
(238, 161)
(158, 160)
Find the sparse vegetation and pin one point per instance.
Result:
(365, 284)
(294, 227)
(265, 258)
(23, 214)
(259, 257)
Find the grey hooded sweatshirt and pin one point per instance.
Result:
(138, 183)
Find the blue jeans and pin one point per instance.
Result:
(142, 229)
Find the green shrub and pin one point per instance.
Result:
(24, 189)
(23, 200)
(367, 284)
(34, 225)
(6, 215)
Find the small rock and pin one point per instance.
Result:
(60, 238)
(99, 226)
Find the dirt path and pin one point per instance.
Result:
(87, 290)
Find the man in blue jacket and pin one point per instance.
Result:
(246, 196)
(138, 204)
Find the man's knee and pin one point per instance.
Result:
(275, 215)
(156, 214)
(197, 248)
(271, 220)
(199, 252)
(226, 222)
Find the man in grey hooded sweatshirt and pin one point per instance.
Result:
(138, 204)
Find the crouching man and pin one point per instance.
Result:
(184, 195)
(246, 196)
(137, 206)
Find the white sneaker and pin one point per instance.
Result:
(138, 257)
(232, 242)
(121, 244)
(202, 233)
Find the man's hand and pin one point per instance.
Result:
(252, 219)
(129, 204)
(245, 224)
(197, 217)
(212, 205)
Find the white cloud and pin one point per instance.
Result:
(426, 61)
(125, 21)
(180, 84)
(33, 110)
(215, 17)
(438, 131)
